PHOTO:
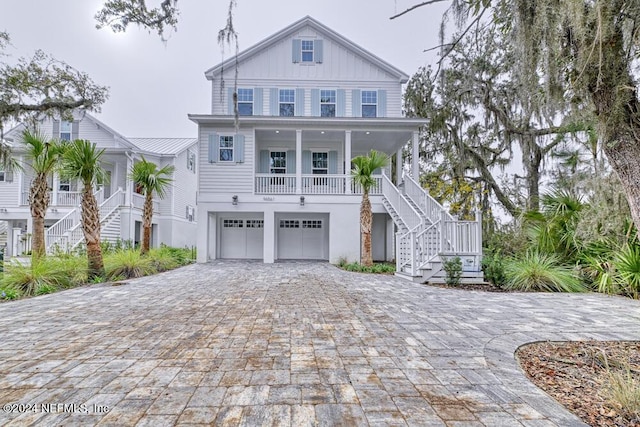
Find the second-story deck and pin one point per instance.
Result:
(311, 184)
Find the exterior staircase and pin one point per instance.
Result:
(428, 235)
(66, 234)
(4, 229)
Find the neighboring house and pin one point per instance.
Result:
(174, 221)
(279, 186)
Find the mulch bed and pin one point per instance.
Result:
(576, 375)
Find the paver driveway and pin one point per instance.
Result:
(287, 344)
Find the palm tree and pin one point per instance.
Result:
(42, 155)
(363, 175)
(151, 180)
(81, 160)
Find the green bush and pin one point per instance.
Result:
(127, 264)
(377, 268)
(493, 267)
(9, 293)
(453, 269)
(627, 263)
(43, 275)
(541, 272)
(164, 259)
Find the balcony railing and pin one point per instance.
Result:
(311, 184)
(63, 198)
(138, 202)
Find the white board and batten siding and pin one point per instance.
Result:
(225, 177)
(184, 181)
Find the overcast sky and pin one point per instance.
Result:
(154, 85)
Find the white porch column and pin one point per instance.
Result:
(298, 161)
(347, 160)
(399, 166)
(415, 165)
(54, 190)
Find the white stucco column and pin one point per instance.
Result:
(298, 163)
(347, 160)
(269, 240)
(399, 166)
(415, 165)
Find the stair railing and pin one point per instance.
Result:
(76, 235)
(56, 236)
(409, 216)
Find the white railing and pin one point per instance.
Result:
(407, 213)
(376, 189)
(137, 200)
(68, 198)
(323, 184)
(275, 183)
(423, 199)
(462, 237)
(57, 234)
(111, 204)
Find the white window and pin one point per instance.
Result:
(191, 161)
(64, 185)
(226, 148)
(289, 223)
(255, 223)
(320, 163)
(287, 99)
(278, 162)
(327, 103)
(311, 223)
(65, 130)
(245, 102)
(233, 223)
(307, 50)
(191, 213)
(369, 103)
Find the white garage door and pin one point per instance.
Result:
(241, 238)
(301, 239)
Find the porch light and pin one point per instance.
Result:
(368, 133)
(301, 200)
(277, 131)
(234, 199)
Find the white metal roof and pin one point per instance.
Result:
(163, 146)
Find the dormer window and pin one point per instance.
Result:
(307, 50)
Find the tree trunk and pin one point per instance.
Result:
(39, 203)
(147, 214)
(91, 230)
(614, 95)
(366, 218)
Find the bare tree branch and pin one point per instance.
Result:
(426, 3)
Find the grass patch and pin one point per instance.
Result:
(42, 276)
(541, 272)
(127, 264)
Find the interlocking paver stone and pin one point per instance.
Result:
(292, 344)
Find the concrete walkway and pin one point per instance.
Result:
(240, 343)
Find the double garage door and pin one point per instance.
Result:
(296, 238)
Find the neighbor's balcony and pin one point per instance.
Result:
(311, 184)
(62, 198)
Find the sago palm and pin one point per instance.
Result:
(147, 176)
(362, 174)
(81, 161)
(42, 156)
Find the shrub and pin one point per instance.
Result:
(127, 264)
(43, 275)
(453, 269)
(9, 293)
(164, 259)
(493, 267)
(541, 272)
(378, 268)
(627, 262)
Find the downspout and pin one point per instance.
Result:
(129, 196)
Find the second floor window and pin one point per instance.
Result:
(65, 131)
(278, 162)
(320, 163)
(327, 103)
(226, 148)
(65, 185)
(245, 102)
(369, 103)
(287, 98)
